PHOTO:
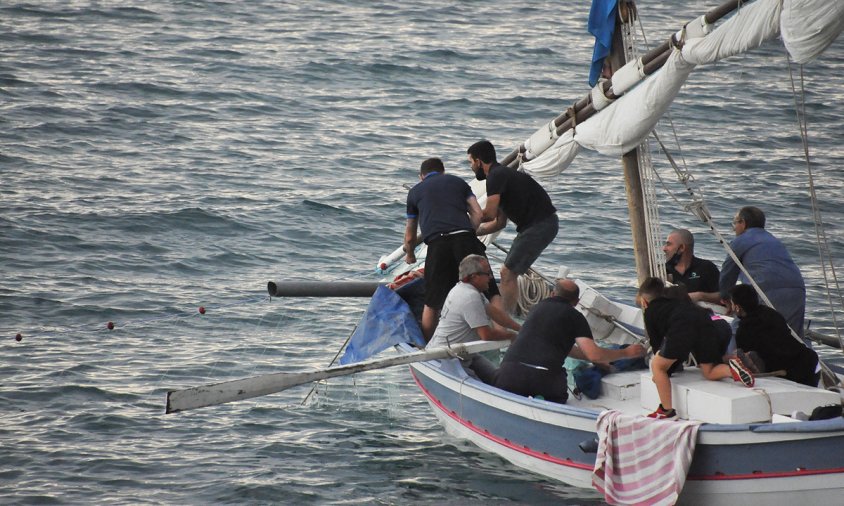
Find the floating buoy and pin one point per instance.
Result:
(110, 325)
(201, 309)
(18, 337)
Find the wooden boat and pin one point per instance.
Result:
(749, 450)
(752, 446)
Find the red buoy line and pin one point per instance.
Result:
(111, 325)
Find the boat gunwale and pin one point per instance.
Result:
(819, 428)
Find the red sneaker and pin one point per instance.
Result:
(741, 373)
(663, 414)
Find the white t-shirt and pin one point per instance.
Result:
(464, 310)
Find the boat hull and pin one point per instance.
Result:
(733, 464)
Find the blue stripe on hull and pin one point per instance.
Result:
(772, 459)
(522, 434)
(558, 444)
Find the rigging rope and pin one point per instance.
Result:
(656, 262)
(533, 285)
(824, 254)
(532, 289)
(698, 207)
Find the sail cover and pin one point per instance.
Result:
(388, 321)
(626, 122)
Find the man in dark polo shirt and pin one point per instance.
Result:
(445, 209)
(554, 330)
(513, 195)
(699, 276)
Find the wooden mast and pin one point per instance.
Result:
(630, 164)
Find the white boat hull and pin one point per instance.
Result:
(733, 464)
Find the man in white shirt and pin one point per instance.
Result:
(464, 316)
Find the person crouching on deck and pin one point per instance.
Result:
(676, 328)
(464, 317)
(553, 330)
(763, 330)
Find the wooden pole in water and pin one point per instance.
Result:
(322, 288)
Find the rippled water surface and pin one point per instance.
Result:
(167, 156)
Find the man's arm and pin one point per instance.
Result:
(475, 212)
(410, 241)
(729, 269)
(709, 291)
(711, 297)
(489, 333)
(500, 316)
(491, 207)
(493, 226)
(586, 349)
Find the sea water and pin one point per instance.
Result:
(161, 157)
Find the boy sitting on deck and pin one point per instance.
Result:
(676, 328)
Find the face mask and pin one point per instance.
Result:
(674, 259)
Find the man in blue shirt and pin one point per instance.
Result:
(445, 209)
(769, 264)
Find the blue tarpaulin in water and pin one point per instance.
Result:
(388, 321)
(602, 25)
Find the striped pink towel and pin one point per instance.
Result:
(641, 460)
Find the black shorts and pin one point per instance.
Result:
(442, 264)
(702, 340)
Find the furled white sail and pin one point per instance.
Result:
(626, 122)
(809, 26)
(556, 158)
(751, 26)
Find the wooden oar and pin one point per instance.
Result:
(236, 390)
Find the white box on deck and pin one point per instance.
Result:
(726, 401)
(621, 386)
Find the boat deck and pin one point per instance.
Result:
(722, 402)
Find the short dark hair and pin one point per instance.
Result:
(431, 165)
(753, 217)
(483, 151)
(745, 296)
(678, 292)
(685, 236)
(651, 288)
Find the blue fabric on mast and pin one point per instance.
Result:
(602, 25)
(388, 321)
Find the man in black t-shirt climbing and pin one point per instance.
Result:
(513, 195)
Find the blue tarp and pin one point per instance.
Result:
(602, 25)
(388, 321)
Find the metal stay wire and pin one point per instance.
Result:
(698, 207)
(824, 254)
